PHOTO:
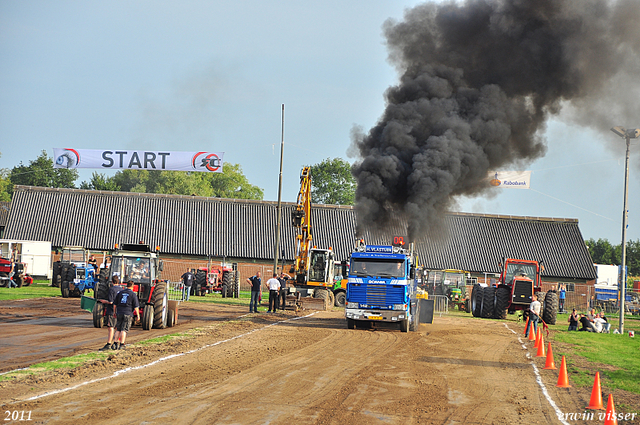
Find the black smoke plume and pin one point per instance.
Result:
(478, 80)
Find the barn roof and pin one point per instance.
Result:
(245, 229)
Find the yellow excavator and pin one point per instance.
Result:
(314, 267)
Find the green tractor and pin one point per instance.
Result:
(452, 284)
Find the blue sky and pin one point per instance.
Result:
(197, 75)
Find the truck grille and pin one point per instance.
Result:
(522, 292)
(379, 296)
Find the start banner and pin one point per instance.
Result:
(210, 162)
(510, 179)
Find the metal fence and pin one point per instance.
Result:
(440, 304)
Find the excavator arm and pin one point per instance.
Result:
(301, 218)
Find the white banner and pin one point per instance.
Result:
(120, 159)
(510, 179)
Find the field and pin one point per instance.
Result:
(222, 365)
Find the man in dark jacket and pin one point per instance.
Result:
(126, 304)
(256, 287)
(187, 279)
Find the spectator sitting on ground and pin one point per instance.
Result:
(573, 321)
(586, 324)
(606, 326)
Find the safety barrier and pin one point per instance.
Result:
(441, 304)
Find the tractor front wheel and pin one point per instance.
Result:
(98, 315)
(64, 289)
(160, 305)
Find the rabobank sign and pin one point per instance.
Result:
(511, 179)
(382, 249)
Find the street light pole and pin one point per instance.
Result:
(622, 282)
(279, 209)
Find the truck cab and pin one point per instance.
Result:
(381, 287)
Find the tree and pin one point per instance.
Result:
(602, 252)
(231, 183)
(332, 182)
(100, 181)
(5, 185)
(40, 172)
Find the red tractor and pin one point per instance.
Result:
(519, 281)
(221, 279)
(138, 263)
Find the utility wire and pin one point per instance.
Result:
(568, 203)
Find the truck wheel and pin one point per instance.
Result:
(404, 325)
(503, 296)
(147, 317)
(476, 300)
(550, 311)
(351, 324)
(64, 289)
(170, 318)
(488, 301)
(98, 315)
(341, 299)
(416, 319)
(160, 305)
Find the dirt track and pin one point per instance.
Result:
(278, 369)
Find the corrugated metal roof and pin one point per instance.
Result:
(245, 229)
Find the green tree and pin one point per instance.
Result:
(231, 183)
(602, 252)
(100, 181)
(40, 172)
(332, 182)
(5, 185)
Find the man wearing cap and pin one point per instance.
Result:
(126, 303)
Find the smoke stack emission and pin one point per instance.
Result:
(478, 80)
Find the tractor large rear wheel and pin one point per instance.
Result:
(550, 311)
(488, 301)
(98, 315)
(201, 282)
(160, 305)
(55, 279)
(64, 289)
(147, 317)
(503, 296)
(476, 300)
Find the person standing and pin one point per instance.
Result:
(561, 297)
(187, 281)
(534, 316)
(256, 286)
(283, 288)
(110, 312)
(126, 304)
(274, 286)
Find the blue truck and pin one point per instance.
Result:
(381, 288)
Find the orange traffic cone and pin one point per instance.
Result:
(532, 337)
(526, 326)
(537, 343)
(563, 378)
(596, 395)
(540, 346)
(610, 417)
(549, 363)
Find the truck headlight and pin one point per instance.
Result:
(352, 305)
(399, 306)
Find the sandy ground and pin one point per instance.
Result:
(281, 368)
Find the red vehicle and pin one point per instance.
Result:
(519, 281)
(217, 279)
(138, 263)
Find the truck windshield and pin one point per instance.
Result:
(365, 267)
(528, 270)
(134, 268)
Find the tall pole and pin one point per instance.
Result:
(623, 275)
(277, 250)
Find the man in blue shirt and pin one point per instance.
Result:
(126, 303)
(109, 311)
